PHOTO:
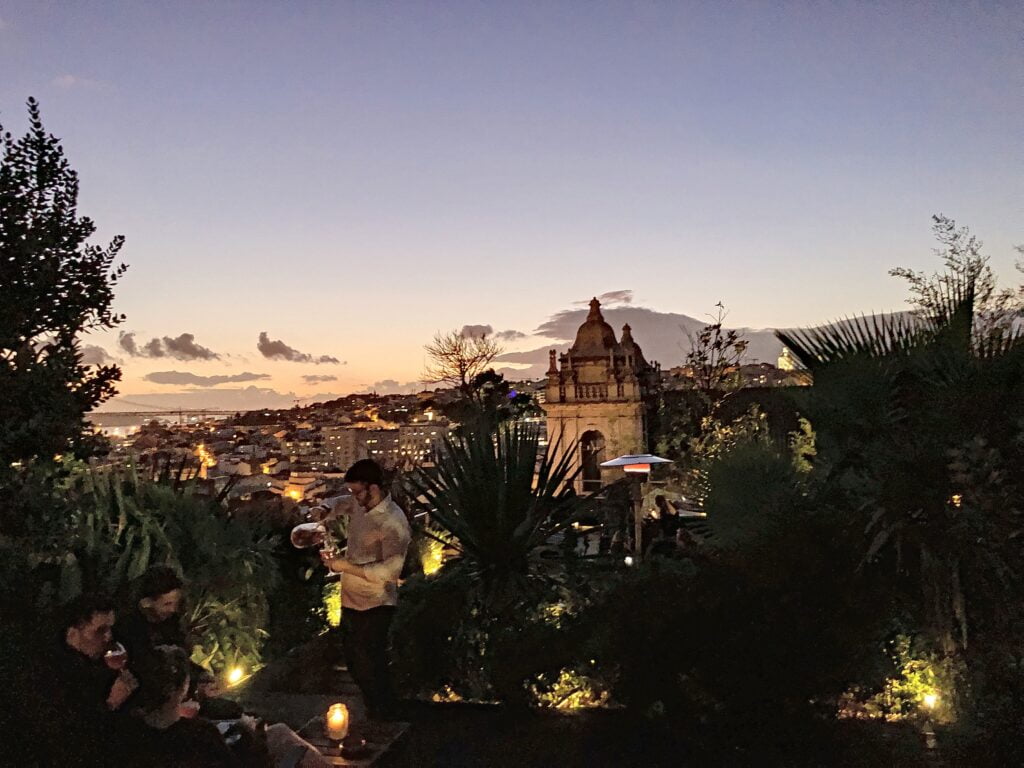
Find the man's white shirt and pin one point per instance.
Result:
(377, 542)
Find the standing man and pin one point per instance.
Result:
(378, 538)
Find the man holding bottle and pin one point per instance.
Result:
(378, 539)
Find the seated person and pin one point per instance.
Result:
(162, 737)
(78, 695)
(159, 735)
(155, 619)
(155, 615)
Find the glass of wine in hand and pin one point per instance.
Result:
(116, 657)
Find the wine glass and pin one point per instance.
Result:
(116, 657)
(306, 535)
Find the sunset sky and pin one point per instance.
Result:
(349, 177)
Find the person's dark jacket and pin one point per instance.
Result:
(185, 744)
(71, 722)
(140, 636)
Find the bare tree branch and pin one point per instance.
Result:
(456, 359)
(715, 354)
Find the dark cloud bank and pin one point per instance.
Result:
(182, 347)
(275, 349)
(184, 378)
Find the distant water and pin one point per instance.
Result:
(128, 423)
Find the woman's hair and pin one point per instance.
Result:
(160, 674)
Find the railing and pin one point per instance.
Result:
(591, 391)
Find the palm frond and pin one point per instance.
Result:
(498, 497)
(867, 336)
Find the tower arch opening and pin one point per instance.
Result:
(592, 449)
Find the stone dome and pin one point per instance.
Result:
(595, 338)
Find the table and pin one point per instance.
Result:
(380, 737)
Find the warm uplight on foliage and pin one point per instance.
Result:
(433, 557)
(917, 687)
(332, 603)
(553, 613)
(445, 695)
(571, 690)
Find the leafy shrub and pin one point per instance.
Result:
(121, 524)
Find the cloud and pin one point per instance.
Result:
(393, 387)
(509, 335)
(190, 379)
(661, 335)
(154, 348)
(519, 374)
(93, 355)
(69, 81)
(278, 350)
(225, 398)
(476, 331)
(315, 378)
(127, 342)
(183, 347)
(611, 297)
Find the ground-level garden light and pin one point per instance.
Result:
(637, 467)
(235, 675)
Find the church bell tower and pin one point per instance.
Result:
(598, 398)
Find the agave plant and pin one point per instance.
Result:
(500, 499)
(919, 421)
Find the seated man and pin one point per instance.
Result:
(155, 616)
(155, 619)
(79, 694)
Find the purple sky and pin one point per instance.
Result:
(352, 176)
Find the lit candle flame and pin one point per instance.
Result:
(337, 721)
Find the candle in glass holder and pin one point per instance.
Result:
(336, 722)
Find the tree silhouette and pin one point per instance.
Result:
(56, 287)
(457, 360)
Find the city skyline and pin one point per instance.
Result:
(350, 178)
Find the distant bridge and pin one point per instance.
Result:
(181, 413)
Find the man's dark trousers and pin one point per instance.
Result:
(365, 635)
